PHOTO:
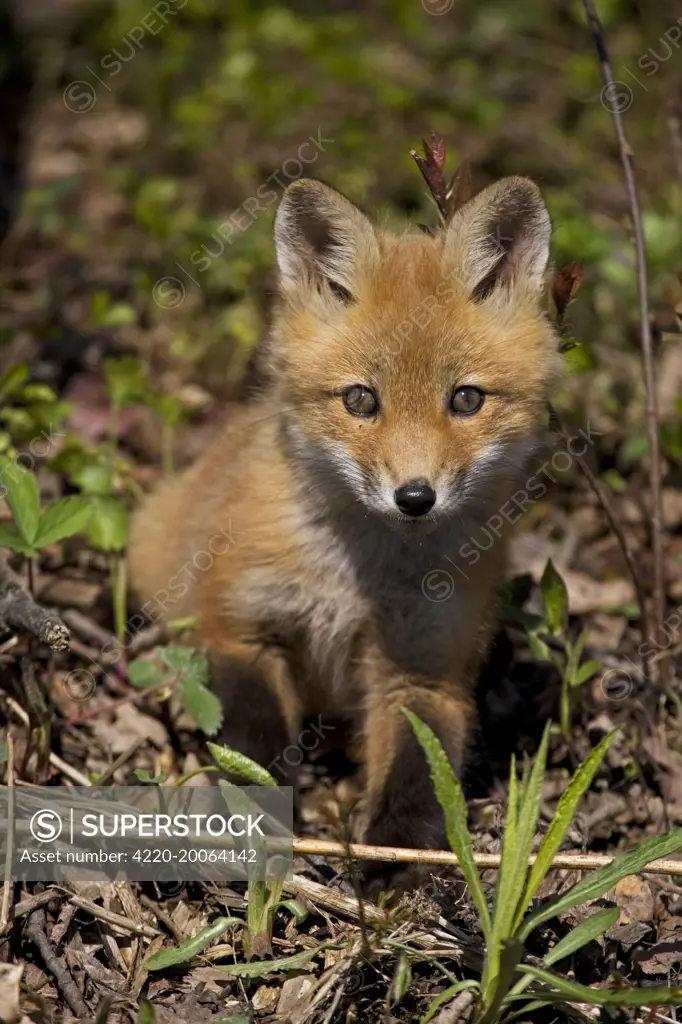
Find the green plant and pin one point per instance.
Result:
(264, 896)
(31, 413)
(108, 531)
(126, 383)
(187, 671)
(32, 529)
(543, 634)
(508, 988)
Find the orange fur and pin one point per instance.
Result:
(320, 601)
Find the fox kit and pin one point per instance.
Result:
(408, 377)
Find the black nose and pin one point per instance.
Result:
(415, 497)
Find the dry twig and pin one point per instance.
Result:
(391, 854)
(35, 930)
(626, 156)
(20, 613)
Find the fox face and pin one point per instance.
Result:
(412, 369)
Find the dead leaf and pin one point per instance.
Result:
(666, 953)
(294, 991)
(566, 284)
(265, 998)
(634, 898)
(432, 166)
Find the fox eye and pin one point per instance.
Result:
(466, 401)
(360, 401)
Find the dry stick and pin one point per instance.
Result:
(20, 613)
(562, 861)
(605, 502)
(35, 931)
(626, 157)
(8, 884)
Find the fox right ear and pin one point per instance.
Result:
(321, 237)
(501, 237)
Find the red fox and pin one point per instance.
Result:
(408, 376)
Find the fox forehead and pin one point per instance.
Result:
(413, 323)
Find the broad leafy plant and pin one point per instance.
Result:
(32, 528)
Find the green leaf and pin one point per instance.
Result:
(555, 599)
(126, 380)
(571, 991)
(187, 662)
(586, 671)
(504, 906)
(151, 780)
(192, 673)
(400, 982)
(142, 673)
(11, 538)
(564, 815)
(201, 704)
(446, 997)
(62, 519)
(94, 478)
(13, 379)
(146, 1014)
(119, 314)
(168, 407)
(22, 497)
(238, 764)
(586, 931)
(299, 912)
(512, 951)
(538, 648)
(529, 813)
(108, 528)
(260, 968)
(600, 881)
(451, 798)
(191, 947)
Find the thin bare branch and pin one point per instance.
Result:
(603, 498)
(626, 156)
(398, 855)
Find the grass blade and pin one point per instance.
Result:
(572, 992)
(600, 881)
(259, 968)
(451, 798)
(191, 947)
(565, 813)
(446, 997)
(586, 931)
(529, 813)
(502, 903)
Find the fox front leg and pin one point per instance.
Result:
(261, 711)
(401, 805)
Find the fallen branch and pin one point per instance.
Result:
(626, 157)
(35, 931)
(20, 613)
(398, 855)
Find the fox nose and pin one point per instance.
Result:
(415, 497)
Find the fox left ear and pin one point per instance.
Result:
(321, 237)
(501, 236)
